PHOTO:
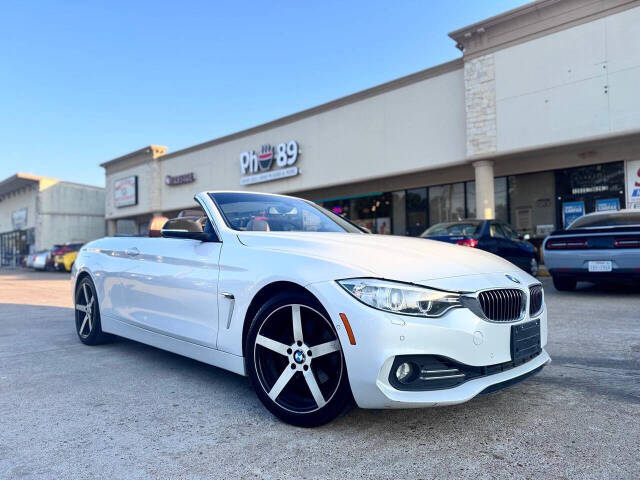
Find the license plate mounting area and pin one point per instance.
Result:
(525, 341)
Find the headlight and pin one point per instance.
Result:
(400, 297)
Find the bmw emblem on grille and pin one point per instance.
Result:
(512, 278)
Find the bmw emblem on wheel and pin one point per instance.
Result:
(512, 278)
(299, 356)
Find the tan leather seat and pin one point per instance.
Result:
(256, 225)
(155, 226)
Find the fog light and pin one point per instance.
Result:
(405, 372)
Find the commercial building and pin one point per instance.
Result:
(538, 122)
(37, 213)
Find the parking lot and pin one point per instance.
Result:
(126, 410)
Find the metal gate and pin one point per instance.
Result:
(14, 247)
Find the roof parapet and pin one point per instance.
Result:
(154, 151)
(530, 21)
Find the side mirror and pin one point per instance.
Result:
(187, 228)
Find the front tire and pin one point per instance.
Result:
(564, 284)
(87, 313)
(295, 362)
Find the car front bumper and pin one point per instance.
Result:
(459, 335)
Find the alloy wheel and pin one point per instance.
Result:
(298, 358)
(85, 310)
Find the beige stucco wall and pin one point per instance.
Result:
(69, 212)
(25, 198)
(572, 84)
(148, 199)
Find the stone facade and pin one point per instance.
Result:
(480, 105)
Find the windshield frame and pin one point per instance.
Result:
(342, 223)
(477, 223)
(601, 216)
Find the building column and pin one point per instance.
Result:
(485, 201)
(111, 228)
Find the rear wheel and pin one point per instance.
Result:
(295, 361)
(87, 312)
(564, 283)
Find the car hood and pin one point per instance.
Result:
(386, 256)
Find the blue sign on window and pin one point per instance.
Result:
(571, 211)
(607, 204)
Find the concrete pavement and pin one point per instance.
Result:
(126, 410)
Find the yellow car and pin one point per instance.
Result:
(65, 256)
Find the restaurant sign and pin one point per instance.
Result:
(125, 191)
(19, 219)
(259, 167)
(180, 179)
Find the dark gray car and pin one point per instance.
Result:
(601, 246)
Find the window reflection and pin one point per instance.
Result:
(373, 213)
(446, 203)
(416, 211)
(398, 213)
(500, 194)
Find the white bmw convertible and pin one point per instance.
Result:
(315, 311)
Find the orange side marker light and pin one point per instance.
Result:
(347, 326)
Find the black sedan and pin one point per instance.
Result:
(490, 235)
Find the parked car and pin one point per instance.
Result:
(316, 312)
(44, 259)
(596, 247)
(492, 236)
(40, 259)
(65, 255)
(29, 260)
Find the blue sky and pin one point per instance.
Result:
(84, 82)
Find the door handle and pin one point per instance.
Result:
(132, 252)
(232, 303)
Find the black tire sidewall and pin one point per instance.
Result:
(340, 401)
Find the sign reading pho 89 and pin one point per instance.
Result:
(259, 167)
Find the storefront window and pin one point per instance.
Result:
(531, 202)
(339, 207)
(399, 214)
(500, 198)
(373, 212)
(126, 226)
(588, 189)
(446, 203)
(500, 195)
(470, 188)
(416, 211)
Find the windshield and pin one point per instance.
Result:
(452, 228)
(272, 213)
(612, 219)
